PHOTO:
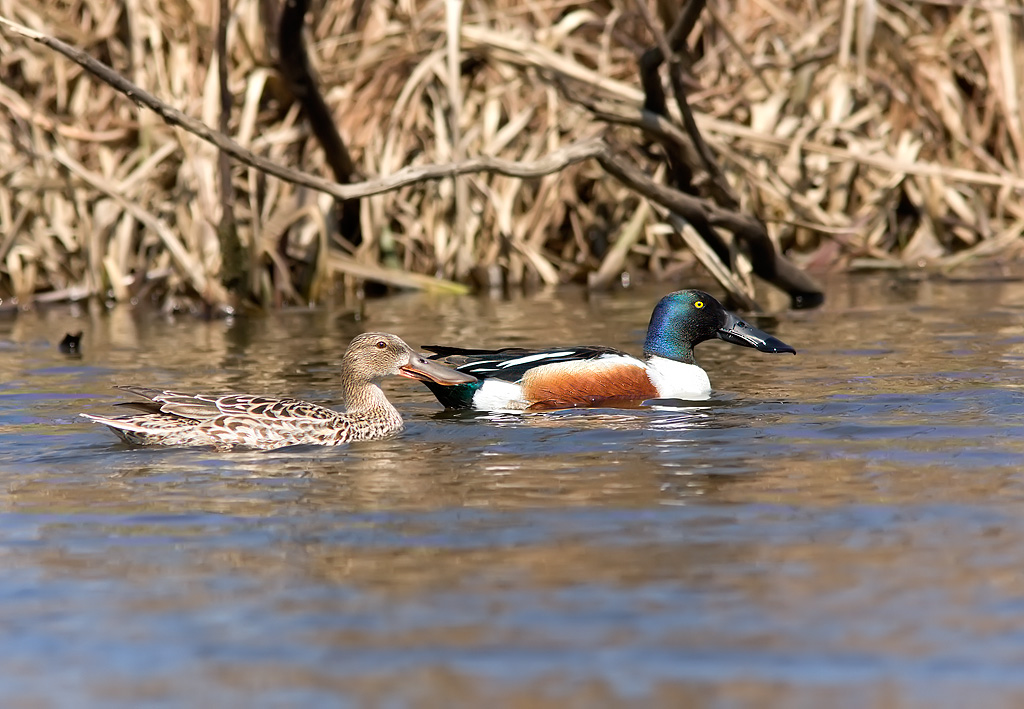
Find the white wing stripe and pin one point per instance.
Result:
(535, 358)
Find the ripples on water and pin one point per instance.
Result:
(840, 528)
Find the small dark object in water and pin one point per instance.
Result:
(72, 343)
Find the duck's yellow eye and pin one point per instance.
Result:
(699, 304)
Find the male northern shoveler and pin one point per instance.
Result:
(225, 421)
(564, 377)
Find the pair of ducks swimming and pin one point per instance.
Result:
(511, 378)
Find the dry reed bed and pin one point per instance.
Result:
(859, 130)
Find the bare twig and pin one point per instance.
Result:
(553, 162)
(705, 215)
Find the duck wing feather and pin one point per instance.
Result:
(200, 407)
(512, 363)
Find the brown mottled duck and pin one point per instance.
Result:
(229, 420)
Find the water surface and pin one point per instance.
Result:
(840, 528)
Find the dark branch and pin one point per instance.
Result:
(294, 65)
(233, 272)
(706, 216)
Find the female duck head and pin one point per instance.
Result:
(375, 355)
(686, 318)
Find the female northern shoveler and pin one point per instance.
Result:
(563, 377)
(229, 420)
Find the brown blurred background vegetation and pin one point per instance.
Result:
(864, 133)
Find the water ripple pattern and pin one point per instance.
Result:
(840, 528)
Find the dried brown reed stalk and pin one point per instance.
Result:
(859, 131)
